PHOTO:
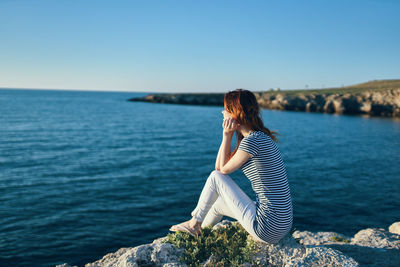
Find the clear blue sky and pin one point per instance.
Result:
(197, 46)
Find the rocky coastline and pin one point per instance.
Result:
(368, 247)
(376, 98)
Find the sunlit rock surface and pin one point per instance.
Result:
(368, 247)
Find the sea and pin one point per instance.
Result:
(84, 173)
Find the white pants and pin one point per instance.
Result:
(221, 196)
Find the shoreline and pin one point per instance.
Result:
(375, 99)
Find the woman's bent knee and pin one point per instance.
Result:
(216, 173)
(218, 176)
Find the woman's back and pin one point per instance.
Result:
(266, 171)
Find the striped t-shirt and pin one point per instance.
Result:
(266, 171)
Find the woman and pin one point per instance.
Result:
(270, 217)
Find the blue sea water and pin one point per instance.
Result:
(83, 174)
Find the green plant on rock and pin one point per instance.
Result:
(339, 239)
(228, 246)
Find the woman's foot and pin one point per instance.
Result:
(193, 227)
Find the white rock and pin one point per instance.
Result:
(155, 254)
(319, 238)
(395, 228)
(376, 238)
(323, 256)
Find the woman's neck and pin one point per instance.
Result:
(245, 130)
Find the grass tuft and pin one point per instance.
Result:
(228, 246)
(340, 239)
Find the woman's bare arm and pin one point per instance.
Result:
(217, 160)
(225, 149)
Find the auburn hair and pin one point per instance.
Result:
(243, 106)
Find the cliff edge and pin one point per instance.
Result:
(368, 247)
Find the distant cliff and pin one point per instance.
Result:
(374, 98)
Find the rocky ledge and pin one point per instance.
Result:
(368, 247)
(376, 98)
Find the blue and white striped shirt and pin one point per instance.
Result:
(266, 171)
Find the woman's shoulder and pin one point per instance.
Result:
(260, 136)
(253, 137)
(256, 134)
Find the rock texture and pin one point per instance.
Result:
(375, 103)
(369, 99)
(368, 247)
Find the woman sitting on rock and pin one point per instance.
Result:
(270, 217)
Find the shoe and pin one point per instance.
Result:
(182, 228)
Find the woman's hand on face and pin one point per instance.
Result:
(229, 125)
(226, 114)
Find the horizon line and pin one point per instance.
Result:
(153, 92)
(183, 92)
